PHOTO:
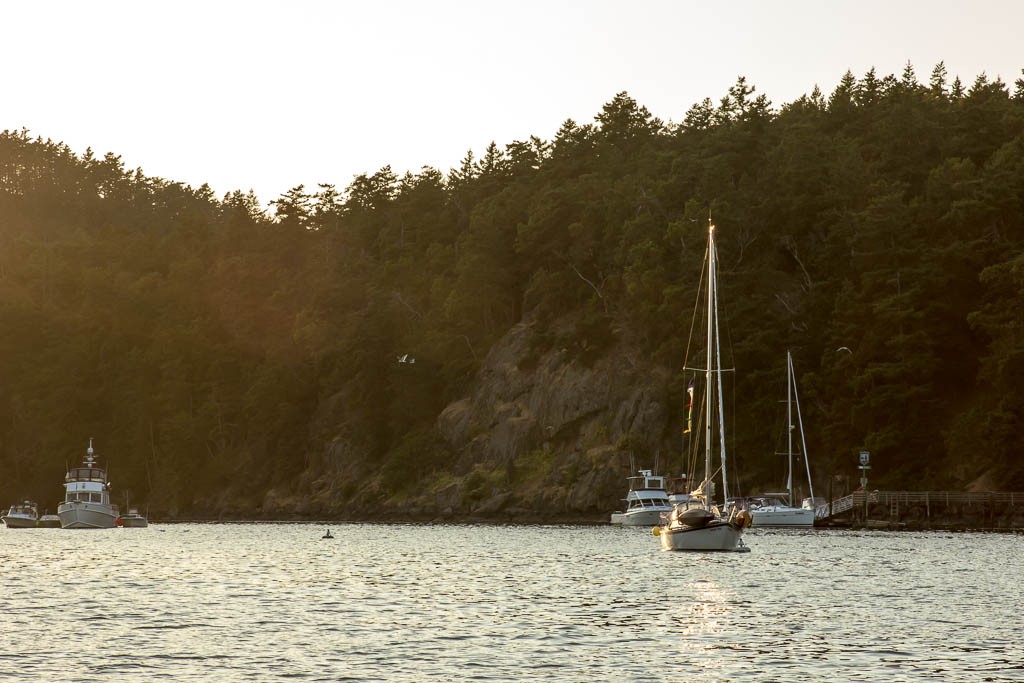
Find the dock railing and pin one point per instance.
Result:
(894, 499)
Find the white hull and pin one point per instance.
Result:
(647, 517)
(134, 522)
(716, 535)
(79, 515)
(17, 522)
(646, 501)
(782, 517)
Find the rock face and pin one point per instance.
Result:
(538, 438)
(559, 434)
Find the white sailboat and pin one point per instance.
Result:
(777, 509)
(699, 524)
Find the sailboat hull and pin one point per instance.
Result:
(782, 517)
(715, 535)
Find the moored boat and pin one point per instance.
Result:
(698, 523)
(48, 521)
(777, 509)
(132, 520)
(21, 515)
(646, 501)
(86, 502)
(770, 509)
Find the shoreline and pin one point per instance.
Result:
(569, 521)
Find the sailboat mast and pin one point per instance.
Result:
(803, 439)
(721, 398)
(789, 426)
(707, 383)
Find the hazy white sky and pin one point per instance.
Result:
(267, 95)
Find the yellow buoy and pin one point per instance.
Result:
(656, 531)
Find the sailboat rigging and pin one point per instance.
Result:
(770, 509)
(698, 523)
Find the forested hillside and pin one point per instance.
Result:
(231, 361)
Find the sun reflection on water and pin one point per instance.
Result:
(706, 610)
(432, 602)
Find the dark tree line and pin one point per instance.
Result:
(214, 350)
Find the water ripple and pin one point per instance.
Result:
(268, 602)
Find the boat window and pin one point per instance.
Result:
(85, 474)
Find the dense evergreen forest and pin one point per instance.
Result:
(220, 353)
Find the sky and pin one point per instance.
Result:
(265, 96)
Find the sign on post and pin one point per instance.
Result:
(865, 457)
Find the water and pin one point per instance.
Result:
(272, 602)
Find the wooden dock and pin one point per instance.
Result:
(996, 510)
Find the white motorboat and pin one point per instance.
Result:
(23, 515)
(697, 523)
(133, 520)
(48, 522)
(777, 509)
(646, 501)
(86, 502)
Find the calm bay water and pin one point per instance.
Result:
(268, 602)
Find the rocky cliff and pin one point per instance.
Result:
(540, 436)
(554, 437)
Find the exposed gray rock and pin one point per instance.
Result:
(589, 419)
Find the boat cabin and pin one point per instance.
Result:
(26, 508)
(86, 474)
(87, 496)
(636, 504)
(646, 481)
(767, 500)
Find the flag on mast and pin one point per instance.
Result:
(689, 409)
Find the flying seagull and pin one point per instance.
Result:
(844, 348)
(406, 359)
